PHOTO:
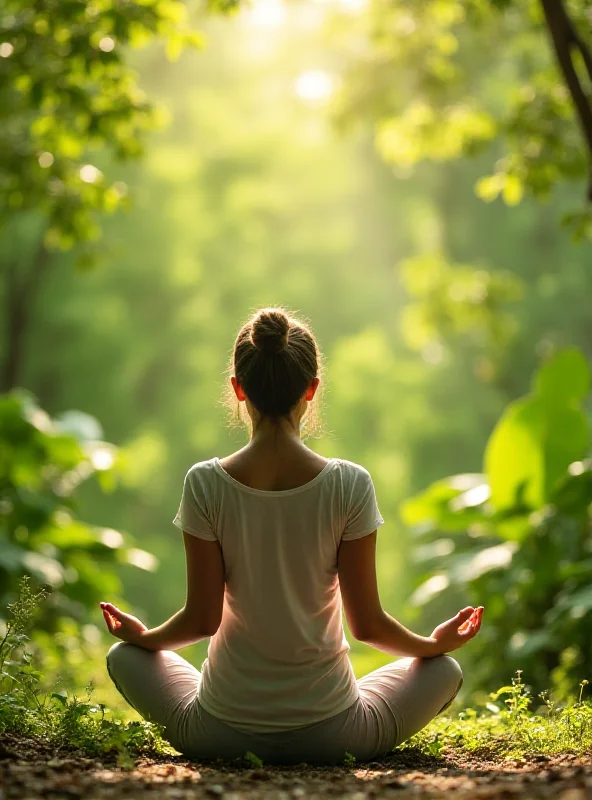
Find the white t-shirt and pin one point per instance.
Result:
(279, 659)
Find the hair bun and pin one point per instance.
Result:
(270, 330)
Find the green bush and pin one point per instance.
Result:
(516, 539)
(28, 708)
(43, 461)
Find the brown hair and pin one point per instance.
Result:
(274, 359)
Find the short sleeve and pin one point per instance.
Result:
(363, 515)
(193, 516)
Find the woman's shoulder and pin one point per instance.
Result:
(201, 471)
(352, 471)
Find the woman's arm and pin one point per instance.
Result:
(369, 623)
(201, 615)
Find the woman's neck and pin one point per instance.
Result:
(274, 430)
(270, 433)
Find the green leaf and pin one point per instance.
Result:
(574, 493)
(514, 457)
(565, 377)
(513, 190)
(489, 187)
(75, 534)
(174, 47)
(11, 556)
(436, 505)
(470, 566)
(253, 759)
(566, 441)
(533, 642)
(582, 599)
(538, 437)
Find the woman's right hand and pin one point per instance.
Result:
(459, 630)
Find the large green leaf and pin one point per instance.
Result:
(539, 436)
(469, 566)
(514, 458)
(565, 377)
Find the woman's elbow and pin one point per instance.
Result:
(208, 629)
(364, 630)
(202, 624)
(360, 634)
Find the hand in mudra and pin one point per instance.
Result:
(124, 626)
(459, 630)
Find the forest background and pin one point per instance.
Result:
(411, 178)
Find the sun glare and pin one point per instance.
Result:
(314, 86)
(352, 6)
(273, 13)
(267, 13)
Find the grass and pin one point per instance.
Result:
(27, 709)
(505, 726)
(509, 728)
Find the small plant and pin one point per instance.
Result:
(511, 729)
(349, 760)
(519, 700)
(29, 709)
(253, 760)
(18, 678)
(435, 745)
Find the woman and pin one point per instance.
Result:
(276, 537)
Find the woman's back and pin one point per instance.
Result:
(279, 659)
(276, 539)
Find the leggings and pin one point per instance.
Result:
(395, 701)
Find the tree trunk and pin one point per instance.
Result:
(20, 298)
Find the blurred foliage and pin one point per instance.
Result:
(443, 79)
(517, 539)
(43, 461)
(450, 301)
(66, 91)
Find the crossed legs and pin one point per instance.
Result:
(396, 701)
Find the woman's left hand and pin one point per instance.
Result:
(124, 626)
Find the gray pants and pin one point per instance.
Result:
(395, 702)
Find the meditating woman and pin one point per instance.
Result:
(276, 538)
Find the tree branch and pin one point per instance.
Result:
(564, 37)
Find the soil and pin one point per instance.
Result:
(30, 770)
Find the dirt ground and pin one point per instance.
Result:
(29, 771)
